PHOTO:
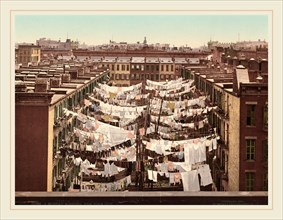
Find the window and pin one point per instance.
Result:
(162, 76)
(250, 177)
(152, 68)
(265, 150)
(250, 143)
(133, 76)
(122, 76)
(265, 117)
(147, 67)
(128, 67)
(142, 67)
(157, 68)
(156, 76)
(113, 67)
(133, 67)
(123, 67)
(142, 76)
(54, 146)
(167, 68)
(118, 67)
(251, 115)
(265, 182)
(162, 67)
(172, 68)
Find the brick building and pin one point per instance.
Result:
(28, 54)
(41, 126)
(241, 161)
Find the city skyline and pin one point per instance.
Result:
(176, 30)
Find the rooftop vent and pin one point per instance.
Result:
(259, 79)
(240, 67)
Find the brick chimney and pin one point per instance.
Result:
(66, 78)
(73, 74)
(41, 85)
(20, 87)
(55, 82)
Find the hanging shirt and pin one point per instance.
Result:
(190, 181)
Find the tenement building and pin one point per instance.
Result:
(42, 127)
(28, 54)
(239, 87)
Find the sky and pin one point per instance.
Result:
(177, 30)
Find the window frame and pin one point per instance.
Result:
(250, 149)
(250, 119)
(250, 181)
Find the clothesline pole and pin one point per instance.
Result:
(158, 121)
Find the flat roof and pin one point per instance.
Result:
(166, 60)
(109, 59)
(123, 59)
(138, 59)
(180, 60)
(152, 60)
(56, 97)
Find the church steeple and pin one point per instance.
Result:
(144, 41)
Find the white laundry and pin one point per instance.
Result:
(77, 161)
(214, 143)
(172, 178)
(149, 173)
(154, 176)
(205, 175)
(202, 151)
(190, 181)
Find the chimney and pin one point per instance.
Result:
(55, 82)
(235, 61)
(73, 74)
(253, 65)
(20, 87)
(41, 85)
(264, 66)
(66, 78)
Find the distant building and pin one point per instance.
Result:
(28, 55)
(167, 69)
(121, 74)
(60, 45)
